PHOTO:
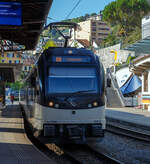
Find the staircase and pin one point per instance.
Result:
(114, 97)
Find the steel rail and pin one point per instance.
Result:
(135, 134)
(68, 154)
(88, 155)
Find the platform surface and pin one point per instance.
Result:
(131, 115)
(15, 148)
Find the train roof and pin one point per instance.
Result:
(68, 51)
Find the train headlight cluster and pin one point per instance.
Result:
(94, 104)
(51, 104)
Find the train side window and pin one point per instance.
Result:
(37, 92)
(33, 82)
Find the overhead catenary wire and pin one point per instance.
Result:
(73, 9)
(67, 15)
(52, 18)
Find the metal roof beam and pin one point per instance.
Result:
(147, 64)
(33, 22)
(142, 44)
(144, 41)
(143, 67)
(130, 49)
(138, 68)
(34, 1)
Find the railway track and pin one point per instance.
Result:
(127, 131)
(86, 155)
(69, 154)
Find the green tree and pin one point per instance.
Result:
(15, 86)
(127, 13)
(93, 14)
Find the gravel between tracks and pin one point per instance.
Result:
(124, 149)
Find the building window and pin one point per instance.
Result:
(17, 61)
(106, 29)
(100, 39)
(10, 54)
(93, 29)
(93, 34)
(102, 23)
(25, 68)
(17, 55)
(3, 61)
(93, 23)
(28, 68)
(10, 61)
(102, 34)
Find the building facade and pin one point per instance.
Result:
(27, 64)
(11, 58)
(93, 29)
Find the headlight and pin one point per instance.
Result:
(51, 104)
(95, 103)
(56, 105)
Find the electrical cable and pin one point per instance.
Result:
(73, 9)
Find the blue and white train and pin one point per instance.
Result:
(64, 95)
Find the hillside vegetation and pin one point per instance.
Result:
(124, 18)
(81, 18)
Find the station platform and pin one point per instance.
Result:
(15, 147)
(134, 117)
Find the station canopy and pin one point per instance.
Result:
(140, 47)
(25, 36)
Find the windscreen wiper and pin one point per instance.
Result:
(78, 92)
(84, 91)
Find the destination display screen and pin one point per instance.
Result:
(11, 13)
(72, 59)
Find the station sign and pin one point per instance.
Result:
(10, 14)
(72, 59)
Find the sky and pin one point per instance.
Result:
(61, 8)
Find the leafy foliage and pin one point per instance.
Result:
(127, 13)
(112, 38)
(81, 18)
(15, 86)
(133, 37)
(125, 16)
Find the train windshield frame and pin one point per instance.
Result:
(70, 79)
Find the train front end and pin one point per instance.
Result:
(72, 100)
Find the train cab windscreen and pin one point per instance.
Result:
(72, 79)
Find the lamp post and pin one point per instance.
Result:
(115, 58)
